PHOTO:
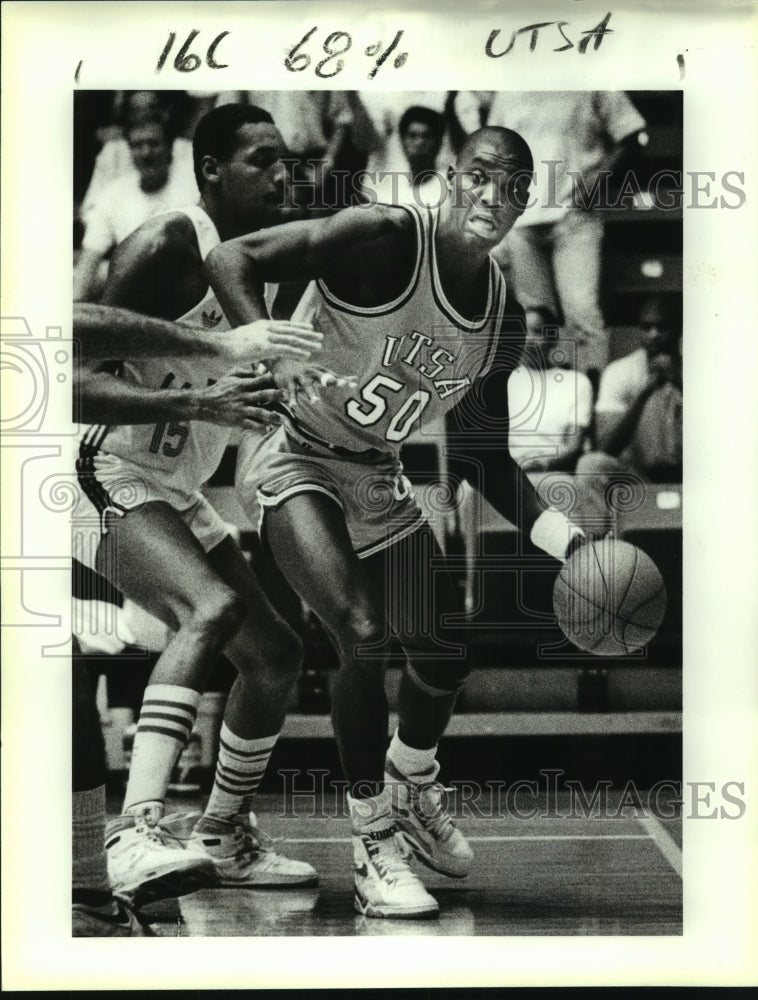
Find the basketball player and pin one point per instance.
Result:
(99, 331)
(411, 301)
(162, 428)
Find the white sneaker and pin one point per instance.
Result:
(385, 886)
(418, 804)
(115, 919)
(243, 856)
(147, 863)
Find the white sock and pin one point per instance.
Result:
(241, 765)
(163, 730)
(90, 864)
(411, 762)
(374, 811)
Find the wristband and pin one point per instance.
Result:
(553, 532)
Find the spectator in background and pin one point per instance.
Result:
(115, 160)
(421, 132)
(384, 111)
(550, 409)
(638, 414)
(553, 253)
(153, 187)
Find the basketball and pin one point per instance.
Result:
(609, 598)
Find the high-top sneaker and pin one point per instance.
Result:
(243, 856)
(385, 886)
(147, 863)
(419, 806)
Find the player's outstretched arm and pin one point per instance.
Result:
(109, 333)
(354, 241)
(158, 271)
(103, 332)
(236, 400)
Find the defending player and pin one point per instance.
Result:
(412, 303)
(98, 331)
(162, 428)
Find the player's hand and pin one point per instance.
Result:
(589, 536)
(293, 377)
(238, 400)
(270, 339)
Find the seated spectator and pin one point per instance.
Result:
(153, 187)
(421, 131)
(550, 409)
(638, 414)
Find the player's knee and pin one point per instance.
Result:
(219, 615)
(439, 677)
(283, 653)
(360, 626)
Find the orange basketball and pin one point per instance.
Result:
(609, 598)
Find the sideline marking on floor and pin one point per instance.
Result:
(663, 840)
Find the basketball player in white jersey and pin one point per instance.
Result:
(99, 331)
(163, 425)
(411, 302)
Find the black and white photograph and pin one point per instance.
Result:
(364, 569)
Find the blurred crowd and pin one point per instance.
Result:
(572, 406)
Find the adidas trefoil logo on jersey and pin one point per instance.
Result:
(211, 318)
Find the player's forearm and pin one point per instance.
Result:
(108, 333)
(511, 494)
(232, 274)
(105, 399)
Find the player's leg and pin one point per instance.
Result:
(268, 655)
(156, 561)
(309, 539)
(423, 605)
(94, 911)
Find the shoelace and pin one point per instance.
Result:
(265, 841)
(437, 820)
(253, 841)
(248, 837)
(390, 858)
(159, 834)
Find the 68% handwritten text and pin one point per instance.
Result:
(337, 44)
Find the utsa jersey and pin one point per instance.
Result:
(414, 358)
(182, 456)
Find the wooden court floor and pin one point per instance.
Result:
(548, 875)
